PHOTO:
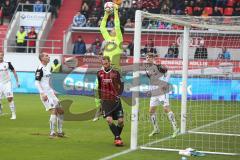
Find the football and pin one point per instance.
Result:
(108, 7)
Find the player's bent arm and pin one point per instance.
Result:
(39, 87)
(38, 77)
(14, 73)
(117, 24)
(103, 28)
(16, 77)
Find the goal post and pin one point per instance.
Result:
(135, 108)
(184, 79)
(205, 98)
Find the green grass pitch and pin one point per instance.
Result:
(26, 138)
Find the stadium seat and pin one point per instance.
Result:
(189, 10)
(208, 10)
(230, 3)
(228, 11)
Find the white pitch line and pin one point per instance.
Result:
(212, 133)
(216, 122)
(117, 154)
(166, 138)
(160, 140)
(3, 114)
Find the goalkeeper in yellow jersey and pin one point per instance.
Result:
(113, 39)
(113, 46)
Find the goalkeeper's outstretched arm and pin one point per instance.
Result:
(117, 24)
(103, 28)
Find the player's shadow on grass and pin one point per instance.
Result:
(68, 116)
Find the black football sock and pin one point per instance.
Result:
(120, 128)
(114, 130)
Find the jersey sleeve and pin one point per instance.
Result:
(103, 28)
(38, 74)
(117, 25)
(10, 66)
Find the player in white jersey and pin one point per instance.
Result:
(6, 85)
(159, 95)
(48, 97)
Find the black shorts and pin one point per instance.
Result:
(112, 108)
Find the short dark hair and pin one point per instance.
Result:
(150, 54)
(106, 58)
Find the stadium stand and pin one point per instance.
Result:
(62, 41)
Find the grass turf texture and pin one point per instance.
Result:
(27, 137)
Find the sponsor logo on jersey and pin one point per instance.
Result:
(107, 80)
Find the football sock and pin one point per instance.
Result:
(114, 130)
(171, 118)
(12, 107)
(60, 123)
(52, 122)
(120, 128)
(153, 118)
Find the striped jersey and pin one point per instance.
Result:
(109, 84)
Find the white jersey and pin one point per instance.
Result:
(42, 81)
(5, 68)
(43, 75)
(158, 81)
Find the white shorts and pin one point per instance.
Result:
(6, 90)
(160, 100)
(52, 101)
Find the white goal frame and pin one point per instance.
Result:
(135, 108)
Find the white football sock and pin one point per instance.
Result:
(154, 120)
(52, 121)
(171, 118)
(60, 123)
(12, 107)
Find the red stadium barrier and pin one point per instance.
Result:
(172, 64)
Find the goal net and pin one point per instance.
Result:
(202, 57)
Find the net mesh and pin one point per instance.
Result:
(213, 107)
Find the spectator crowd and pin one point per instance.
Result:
(92, 11)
